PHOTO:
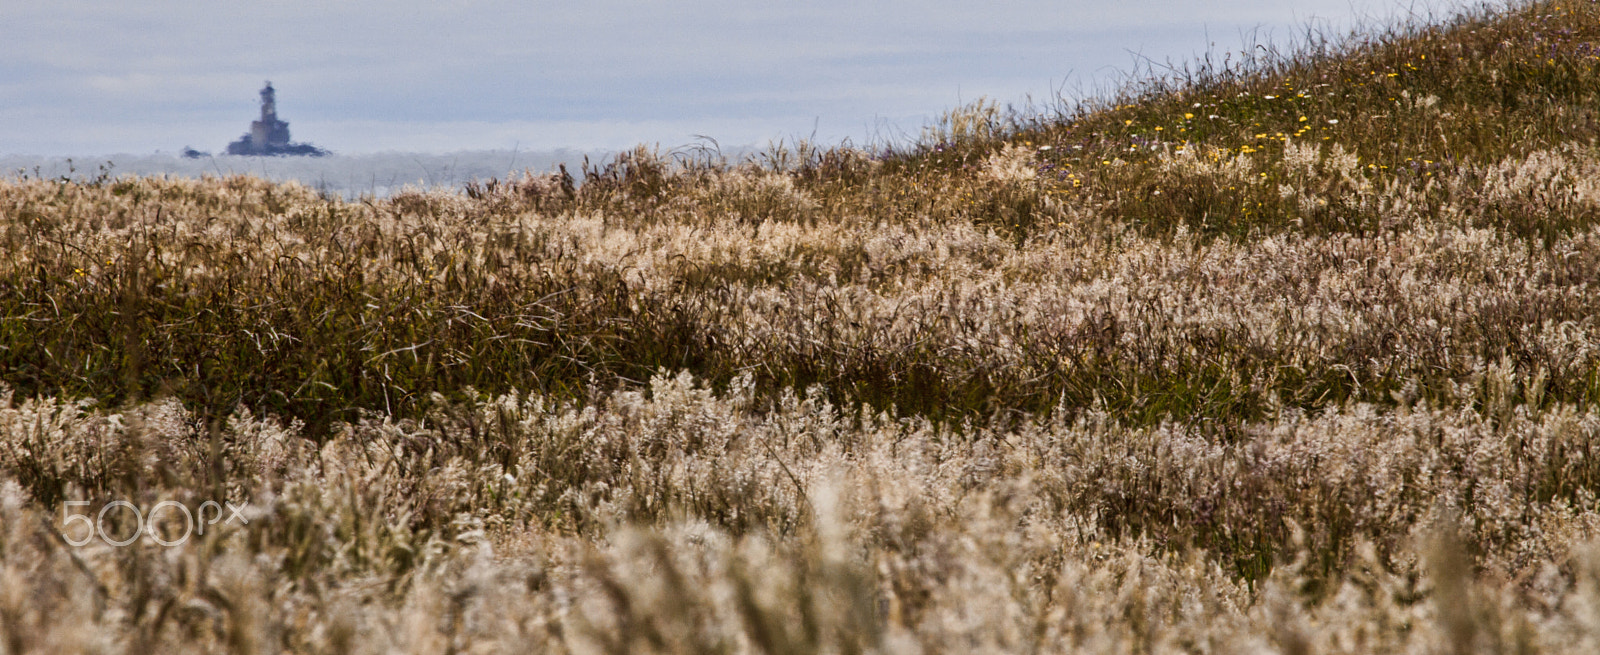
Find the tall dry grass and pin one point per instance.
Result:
(1299, 355)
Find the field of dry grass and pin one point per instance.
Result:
(1297, 355)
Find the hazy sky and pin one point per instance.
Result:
(108, 76)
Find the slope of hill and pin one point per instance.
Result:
(1300, 354)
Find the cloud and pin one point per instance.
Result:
(108, 75)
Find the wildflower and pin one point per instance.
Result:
(1187, 116)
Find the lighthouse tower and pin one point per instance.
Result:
(269, 133)
(270, 136)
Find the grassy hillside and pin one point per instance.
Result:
(1299, 353)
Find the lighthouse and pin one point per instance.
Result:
(270, 136)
